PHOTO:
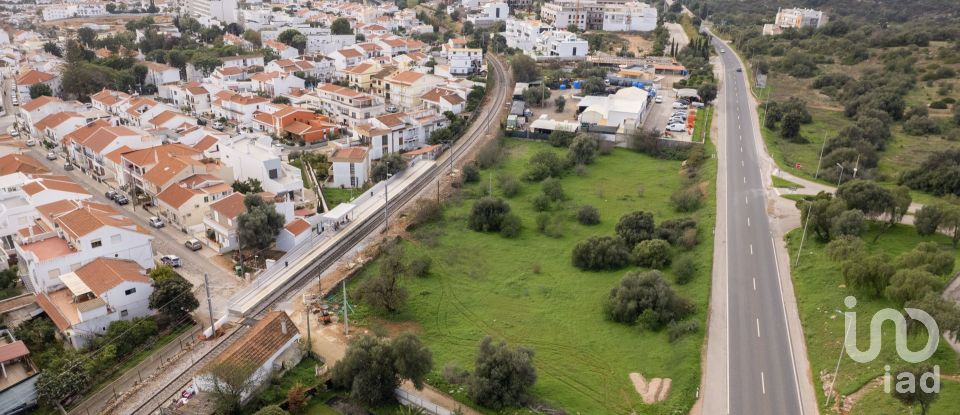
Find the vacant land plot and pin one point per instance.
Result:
(525, 291)
(878, 402)
(820, 291)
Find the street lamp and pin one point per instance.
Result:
(841, 175)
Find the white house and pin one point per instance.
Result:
(293, 234)
(282, 49)
(264, 352)
(443, 99)
(72, 233)
(351, 167)
(524, 34)
(623, 110)
(33, 77)
(489, 13)
(276, 83)
(561, 44)
(96, 294)
(404, 131)
(159, 73)
(238, 107)
(34, 111)
(254, 157)
(629, 17)
(461, 59)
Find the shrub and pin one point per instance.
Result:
(541, 203)
(588, 215)
(600, 253)
(687, 200)
(553, 189)
(471, 173)
(560, 138)
(544, 164)
(454, 374)
(938, 105)
(678, 329)
(689, 239)
(487, 214)
(653, 253)
(911, 284)
(583, 149)
(550, 225)
(423, 212)
(510, 226)
(846, 247)
(490, 154)
(503, 376)
(635, 227)
(850, 222)
(671, 230)
(869, 275)
(420, 267)
(920, 125)
(685, 269)
(929, 257)
(509, 184)
(646, 294)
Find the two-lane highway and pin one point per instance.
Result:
(761, 372)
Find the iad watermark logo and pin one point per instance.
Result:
(928, 382)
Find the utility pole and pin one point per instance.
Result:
(206, 286)
(820, 160)
(856, 166)
(803, 237)
(386, 205)
(346, 306)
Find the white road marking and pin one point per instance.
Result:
(741, 149)
(758, 327)
(793, 361)
(763, 384)
(751, 249)
(754, 283)
(746, 200)
(741, 138)
(741, 164)
(744, 179)
(748, 222)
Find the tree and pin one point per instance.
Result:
(867, 196)
(911, 284)
(234, 29)
(707, 92)
(231, 381)
(593, 85)
(524, 68)
(544, 164)
(53, 49)
(870, 275)
(38, 333)
(648, 298)
(845, 248)
(790, 126)
(510, 226)
(560, 138)
(850, 222)
(536, 95)
(388, 166)
(652, 253)
(111, 8)
(914, 394)
(553, 189)
(40, 90)
(927, 256)
(635, 227)
(86, 36)
(471, 173)
(172, 295)
(296, 397)
(258, 227)
(253, 37)
(950, 221)
(280, 100)
(502, 376)
(927, 219)
(560, 102)
(583, 149)
(487, 214)
(248, 186)
(60, 381)
(600, 253)
(588, 215)
(293, 38)
(271, 410)
(685, 268)
(373, 367)
(384, 291)
(341, 26)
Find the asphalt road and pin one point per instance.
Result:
(762, 378)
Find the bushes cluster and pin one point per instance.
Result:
(648, 299)
(937, 175)
(653, 253)
(544, 164)
(601, 253)
(588, 215)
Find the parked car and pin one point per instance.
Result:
(121, 199)
(31, 142)
(723, 51)
(51, 156)
(156, 222)
(192, 244)
(217, 125)
(680, 106)
(171, 260)
(110, 194)
(697, 105)
(676, 120)
(679, 114)
(676, 127)
(739, 69)
(392, 108)
(67, 166)
(658, 100)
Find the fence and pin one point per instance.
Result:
(95, 403)
(409, 399)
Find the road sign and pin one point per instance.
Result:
(798, 166)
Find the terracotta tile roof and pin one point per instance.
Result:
(405, 77)
(102, 274)
(198, 179)
(163, 117)
(103, 137)
(350, 53)
(230, 206)
(197, 90)
(339, 90)
(109, 97)
(34, 76)
(368, 46)
(22, 163)
(168, 168)
(265, 76)
(156, 66)
(263, 117)
(395, 43)
(79, 218)
(276, 44)
(13, 350)
(297, 226)
(392, 120)
(80, 135)
(39, 102)
(53, 183)
(231, 70)
(54, 120)
(359, 68)
(262, 341)
(350, 154)
(115, 155)
(52, 311)
(247, 99)
(206, 143)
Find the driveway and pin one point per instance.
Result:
(223, 284)
(677, 34)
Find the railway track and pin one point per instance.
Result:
(479, 126)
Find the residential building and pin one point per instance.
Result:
(351, 167)
(70, 234)
(405, 88)
(489, 13)
(254, 157)
(171, 120)
(184, 204)
(276, 83)
(620, 112)
(33, 77)
(224, 11)
(800, 18)
(442, 99)
(524, 34)
(268, 349)
(32, 112)
(89, 145)
(57, 125)
(404, 131)
(138, 110)
(629, 17)
(345, 106)
(159, 73)
(561, 44)
(281, 49)
(221, 221)
(71, 10)
(345, 57)
(238, 107)
(19, 375)
(299, 124)
(293, 234)
(461, 59)
(153, 169)
(109, 101)
(96, 294)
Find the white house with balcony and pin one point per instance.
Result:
(351, 167)
(489, 13)
(461, 59)
(399, 132)
(96, 294)
(238, 107)
(254, 157)
(629, 17)
(561, 44)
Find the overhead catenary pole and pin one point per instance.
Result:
(206, 286)
(346, 307)
(820, 160)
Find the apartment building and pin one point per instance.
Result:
(351, 167)
(71, 10)
(489, 13)
(184, 204)
(254, 157)
(343, 105)
(562, 44)
(405, 88)
(238, 107)
(461, 60)
(151, 170)
(800, 18)
(629, 17)
(404, 131)
(524, 34)
(600, 15)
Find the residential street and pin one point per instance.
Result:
(223, 284)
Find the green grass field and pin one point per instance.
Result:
(784, 183)
(820, 291)
(526, 291)
(877, 402)
(336, 196)
(704, 118)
